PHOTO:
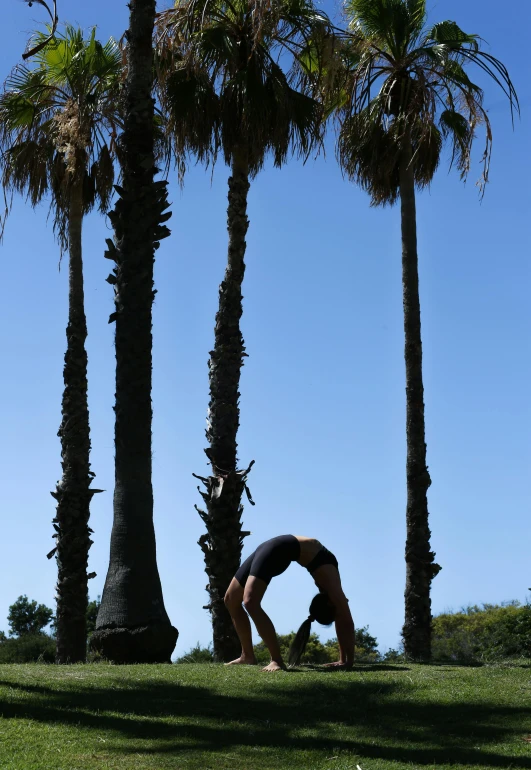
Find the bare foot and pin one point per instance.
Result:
(274, 666)
(339, 664)
(242, 661)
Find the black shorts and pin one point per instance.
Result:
(324, 556)
(270, 559)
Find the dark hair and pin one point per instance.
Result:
(323, 611)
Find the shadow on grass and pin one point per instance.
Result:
(518, 663)
(360, 668)
(373, 719)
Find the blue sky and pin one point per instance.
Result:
(323, 395)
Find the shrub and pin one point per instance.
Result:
(394, 656)
(29, 648)
(316, 652)
(197, 654)
(483, 634)
(92, 615)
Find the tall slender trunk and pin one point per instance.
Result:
(420, 566)
(132, 623)
(222, 543)
(72, 492)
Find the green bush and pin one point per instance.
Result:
(394, 656)
(29, 648)
(483, 634)
(366, 646)
(92, 615)
(316, 652)
(197, 654)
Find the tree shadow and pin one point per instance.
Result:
(454, 664)
(517, 663)
(377, 720)
(358, 667)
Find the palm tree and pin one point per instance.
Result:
(224, 86)
(132, 624)
(58, 120)
(407, 93)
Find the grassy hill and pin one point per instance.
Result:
(205, 717)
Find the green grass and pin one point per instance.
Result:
(207, 717)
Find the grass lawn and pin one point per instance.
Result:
(209, 717)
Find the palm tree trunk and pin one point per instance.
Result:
(222, 543)
(420, 566)
(132, 624)
(72, 492)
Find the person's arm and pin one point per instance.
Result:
(345, 634)
(328, 580)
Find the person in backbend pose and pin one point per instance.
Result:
(249, 585)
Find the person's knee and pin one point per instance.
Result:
(251, 603)
(232, 599)
(233, 596)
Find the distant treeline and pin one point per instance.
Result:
(482, 634)
(28, 642)
(475, 634)
(316, 652)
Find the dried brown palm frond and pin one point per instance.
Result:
(54, 19)
(60, 118)
(223, 80)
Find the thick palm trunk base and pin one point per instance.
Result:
(72, 493)
(420, 560)
(132, 623)
(222, 545)
(144, 644)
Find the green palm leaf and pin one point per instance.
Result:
(448, 33)
(69, 76)
(417, 80)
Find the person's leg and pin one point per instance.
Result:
(233, 602)
(255, 589)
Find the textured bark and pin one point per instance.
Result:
(132, 624)
(72, 493)
(420, 566)
(222, 543)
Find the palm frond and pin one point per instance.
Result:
(223, 83)
(449, 34)
(54, 19)
(420, 92)
(25, 169)
(457, 127)
(417, 15)
(60, 119)
(394, 23)
(367, 153)
(193, 111)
